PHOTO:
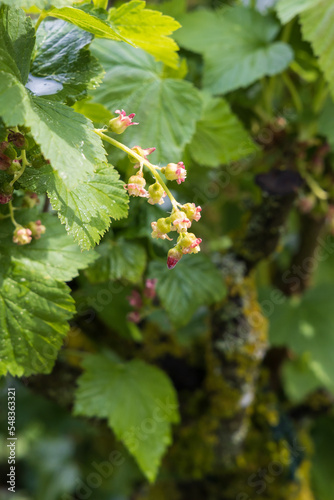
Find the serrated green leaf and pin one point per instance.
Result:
(138, 400)
(54, 254)
(238, 46)
(86, 209)
(147, 29)
(166, 109)
(17, 37)
(62, 56)
(66, 138)
(288, 9)
(119, 259)
(87, 22)
(220, 137)
(34, 310)
(305, 326)
(318, 28)
(194, 282)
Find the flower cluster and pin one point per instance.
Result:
(182, 216)
(23, 235)
(139, 300)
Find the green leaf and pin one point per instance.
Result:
(109, 301)
(34, 310)
(17, 37)
(119, 259)
(220, 137)
(101, 4)
(326, 121)
(87, 22)
(167, 109)
(288, 9)
(174, 8)
(238, 46)
(53, 255)
(138, 400)
(86, 209)
(316, 22)
(147, 29)
(304, 326)
(299, 379)
(93, 111)
(194, 282)
(62, 56)
(66, 138)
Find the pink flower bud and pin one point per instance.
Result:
(135, 299)
(141, 152)
(22, 235)
(161, 228)
(36, 229)
(189, 243)
(150, 285)
(192, 212)
(121, 122)
(136, 186)
(180, 221)
(156, 193)
(173, 257)
(175, 172)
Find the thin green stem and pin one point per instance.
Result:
(141, 160)
(314, 186)
(41, 17)
(321, 96)
(293, 92)
(286, 32)
(18, 174)
(11, 214)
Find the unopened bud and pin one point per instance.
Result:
(173, 257)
